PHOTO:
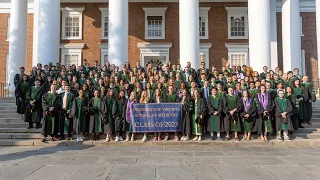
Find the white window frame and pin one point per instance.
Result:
(155, 11)
(238, 12)
(301, 27)
(104, 14)
(204, 12)
(154, 49)
(72, 12)
(204, 49)
(303, 62)
(238, 49)
(8, 28)
(72, 49)
(103, 52)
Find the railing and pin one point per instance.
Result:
(4, 90)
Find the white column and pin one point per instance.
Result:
(189, 32)
(318, 35)
(291, 35)
(259, 34)
(118, 32)
(274, 36)
(17, 39)
(46, 32)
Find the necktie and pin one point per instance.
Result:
(65, 97)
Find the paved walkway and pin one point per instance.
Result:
(153, 162)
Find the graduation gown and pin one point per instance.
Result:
(95, 105)
(247, 107)
(34, 113)
(311, 98)
(295, 110)
(23, 89)
(51, 119)
(120, 114)
(171, 98)
(301, 92)
(215, 123)
(231, 123)
(199, 107)
(80, 113)
(186, 116)
(283, 105)
(263, 123)
(109, 114)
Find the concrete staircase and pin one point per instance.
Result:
(13, 130)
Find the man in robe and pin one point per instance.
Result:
(34, 109)
(66, 122)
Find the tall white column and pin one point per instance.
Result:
(17, 39)
(291, 35)
(259, 34)
(318, 35)
(46, 41)
(274, 35)
(118, 32)
(189, 32)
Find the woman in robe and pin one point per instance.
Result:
(199, 113)
(302, 96)
(247, 112)
(120, 115)
(215, 124)
(144, 100)
(95, 105)
(231, 120)
(289, 94)
(80, 112)
(34, 109)
(283, 116)
(265, 107)
(186, 115)
(23, 89)
(127, 125)
(109, 112)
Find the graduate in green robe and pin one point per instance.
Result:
(311, 97)
(289, 94)
(247, 112)
(302, 95)
(23, 89)
(51, 105)
(231, 120)
(34, 108)
(109, 114)
(215, 123)
(80, 112)
(283, 116)
(198, 116)
(95, 105)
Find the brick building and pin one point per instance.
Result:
(252, 32)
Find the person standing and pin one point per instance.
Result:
(247, 112)
(186, 115)
(127, 126)
(66, 123)
(34, 109)
(95, 105)
(171, 97)
(311, 97)
(120, 117)
(199, 113)
(283, 113)
(215, 125)
(21, 94)
(109, 112)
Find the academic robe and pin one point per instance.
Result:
(295, 110)
(34, 113)
(186, 116)
(120, 114)
(171, 98)
(109, 114)
(80, 113)
(65, 120)
(311, 98)
(50, 124)
(263, 123)
(23, 89)
(283, 105)
(301, 92)
(199, 108)
(95, 105)
(247, 106)
(231, 123)
(215, 123)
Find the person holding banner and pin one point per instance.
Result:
(215, 125)
(144, 100)
(171, 97)
(157, 99)
(199, 113)
(127, 125)
(186, 109)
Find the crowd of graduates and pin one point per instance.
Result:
(91, 100)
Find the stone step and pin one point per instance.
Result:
(307, 130)
(20, 136)
(14, 125)
(308, 135)
(19, 130)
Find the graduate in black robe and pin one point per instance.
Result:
(95, 125)
(66, 122)
(302, 96)
(51, 105)
(215, 110)
(109, 114)
(34, 112)
(17, 80)
(198, 115)
(289, 94)
(283, 116)
(120, 115)
(21, 93)
(311, 97)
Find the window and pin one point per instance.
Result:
(237, 22)
(203, 23)
(155, 23)
(104, 23)
(72, 23)
(71, 54)
(8, 29)
(103, 53)
(204, 53)
(237, 54)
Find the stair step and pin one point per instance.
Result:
(20, 136)
(19, 130)
(307, 130)
(14, 125)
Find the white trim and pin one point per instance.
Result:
(71, 12)
(154, 49)
(301, 26)
(204, 12)
(103, 52)
(104, 13)
(238, 12)
(8, 28)
(72, 49)
(155, 11)
(204, 48)
(303, 62)
(237, 48)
